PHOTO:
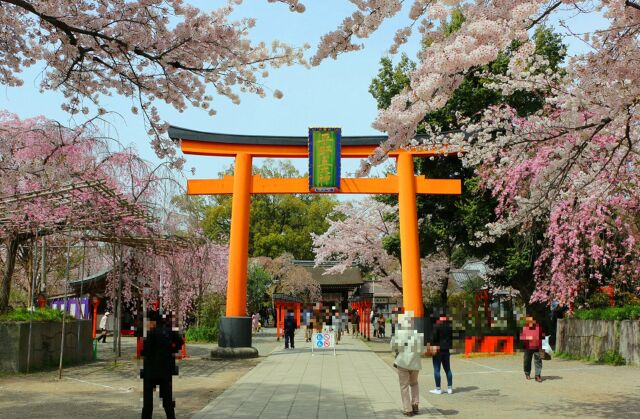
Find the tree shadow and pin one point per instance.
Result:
(621, 405)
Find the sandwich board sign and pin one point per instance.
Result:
(323, 340)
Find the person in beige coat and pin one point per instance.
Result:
(408, 346)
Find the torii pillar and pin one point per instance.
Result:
(235, 327)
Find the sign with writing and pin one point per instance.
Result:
(323, 340)
(324, 159)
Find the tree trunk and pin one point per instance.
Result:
(444, 284)
(11, 244)
(539, 311)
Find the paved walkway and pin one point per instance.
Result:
(355, 383)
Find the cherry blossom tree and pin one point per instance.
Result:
(146, 50)
(571, 166)
(179, 278)
(355, 236)
(291, 279)
(53, 178)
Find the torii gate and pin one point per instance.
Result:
(235, 328)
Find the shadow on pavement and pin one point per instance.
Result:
(464, 389)
(551, 377)
(621, 405)
(448, 412)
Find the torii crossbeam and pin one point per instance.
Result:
(242, 184)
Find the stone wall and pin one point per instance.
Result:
(593, 338)
(45, 344)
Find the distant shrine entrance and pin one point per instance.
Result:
(324, 147)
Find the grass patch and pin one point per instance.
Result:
(24, 315)
(201, 334)
(628, 312)
(609, 358)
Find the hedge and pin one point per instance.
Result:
(628, 312)
(24, 315)
(202, 334)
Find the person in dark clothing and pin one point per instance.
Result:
(442, 340)
(289, 330)
(158, 351)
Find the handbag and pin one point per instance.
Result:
(431, 350)
(545, 356)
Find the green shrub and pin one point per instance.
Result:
(210, 310)
(622, 299)
(628, 312)
(202, 334)
(598, 300)
(613, 358)
(610, 357)
(24, 315)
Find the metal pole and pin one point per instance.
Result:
(33, 284)
(120, 302)
(115, 306)
(84, 253)
(160, 295)
(64, 313)
(43, 273)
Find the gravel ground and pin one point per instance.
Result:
(104, 389)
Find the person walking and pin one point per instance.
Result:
(159, 364)
(355, 323)
(103, 327)
(308, 325)
(531, 338)
(441, 345)
(381, 326)
(374, 322)
(408, 346)
(289, 330)
(255, 319)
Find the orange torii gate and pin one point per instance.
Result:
(235, 329)
(363, 303)
(282, 304)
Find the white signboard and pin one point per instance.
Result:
(324, 340)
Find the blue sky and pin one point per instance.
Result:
(333, 94)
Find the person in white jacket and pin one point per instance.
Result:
(103, 327)
(408, 346)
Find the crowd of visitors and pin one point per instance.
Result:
(408, 345)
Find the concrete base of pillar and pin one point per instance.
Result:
(234, 353)
(235, 332)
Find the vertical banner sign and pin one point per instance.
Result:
(324, 159)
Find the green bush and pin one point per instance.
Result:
(210, 310)
(202, 334)
(598, 300)
(622, 299)
(610, 357)
(613, 358)
(24, 315)
(628, 312)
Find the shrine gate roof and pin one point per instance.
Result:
(177, 133)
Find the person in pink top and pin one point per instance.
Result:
(531, 337)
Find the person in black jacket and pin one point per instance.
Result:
(441, 341)
(289, 330)
(159, 351)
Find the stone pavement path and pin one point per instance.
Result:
(355, 383)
